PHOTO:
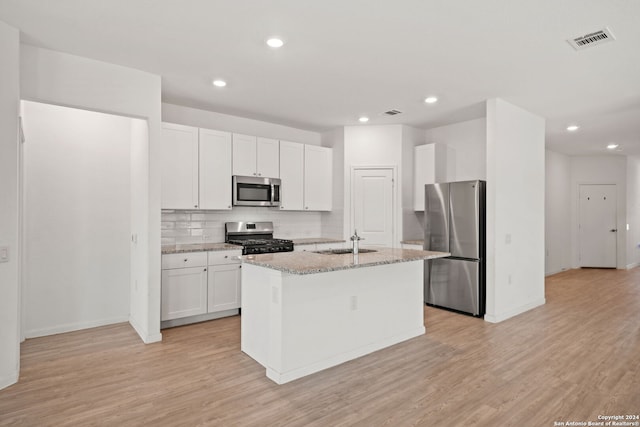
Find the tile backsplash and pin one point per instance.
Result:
(179, 227)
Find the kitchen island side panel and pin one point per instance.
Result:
(316, 321)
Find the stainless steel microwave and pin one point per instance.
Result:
(255, 191)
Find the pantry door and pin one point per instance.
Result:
(598, 228)
(373, 205)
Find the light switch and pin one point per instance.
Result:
(507, 239)
(4, 253)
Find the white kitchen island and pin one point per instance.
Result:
(304, 312)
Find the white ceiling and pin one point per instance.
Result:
(346, 58)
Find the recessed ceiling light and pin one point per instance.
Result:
(431, 99)
(363, 119)
(275, 42)
(612, 146)
(573, 128)
(219, 83)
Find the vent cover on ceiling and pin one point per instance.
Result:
(592, 39)
(392, 112)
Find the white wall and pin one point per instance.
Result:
(76, 219)
(599, 170)
(633, 211)
(139, 225)
(9, 271)
(557, 212)
(469, 140)
(333, 222)
(58, 78)
(372, 146)
(412, 221)
(208, 119)
(515, 210)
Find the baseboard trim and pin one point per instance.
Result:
(497, 318)
(632, 265)
(551, 273)
(8, 380)
(70, 327)
(143, 333)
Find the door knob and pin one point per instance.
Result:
(613, 230)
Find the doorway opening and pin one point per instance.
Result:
(83, 177)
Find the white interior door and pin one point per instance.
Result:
(373, 206)
(598, 226)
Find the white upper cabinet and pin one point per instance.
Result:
(318, 178)
(244, 155)
(215, 169)
(255, 156)
(179, 167)
(307, 175)
(432, 163)
(268, 157)
(292, 176)
(196, 168)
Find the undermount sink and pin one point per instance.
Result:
(343, 251)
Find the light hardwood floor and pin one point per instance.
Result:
(573, 359)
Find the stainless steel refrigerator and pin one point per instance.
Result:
(455, 223)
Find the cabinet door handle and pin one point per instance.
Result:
(259, 174)
(185, 260)
(205, 269)
(195, 206)
(226, 256)
(229, 207)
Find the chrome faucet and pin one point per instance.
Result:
(355, 239)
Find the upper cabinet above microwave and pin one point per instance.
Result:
(255, 156)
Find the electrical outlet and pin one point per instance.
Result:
(509, 279)
(507, 238)
(354, 303)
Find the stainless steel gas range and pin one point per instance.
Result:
(255, 237)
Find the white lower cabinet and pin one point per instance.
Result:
(184, 292)
(223, 287)
(199, 283)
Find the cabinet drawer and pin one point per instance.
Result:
(225, 257)
(188, 259)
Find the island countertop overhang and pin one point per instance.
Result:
(312, 263)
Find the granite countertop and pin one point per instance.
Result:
(413, 242)
(310, 262)
(198, 247)
(316, 240)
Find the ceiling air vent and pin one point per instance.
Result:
(592, 39)
(392, 112)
